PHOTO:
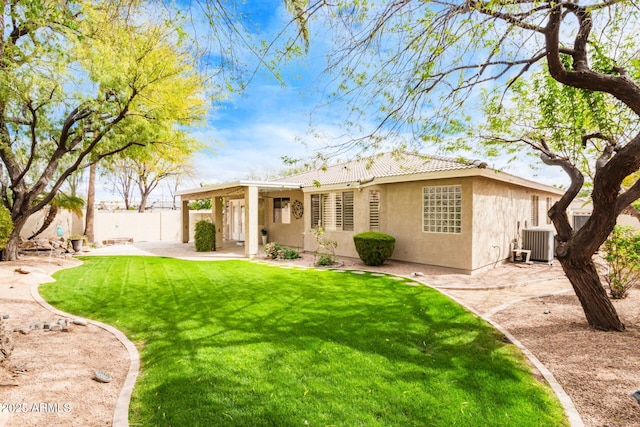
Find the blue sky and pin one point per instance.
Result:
(248, 134)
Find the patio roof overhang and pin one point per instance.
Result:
(234, 189)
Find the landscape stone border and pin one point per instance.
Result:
(121, 411)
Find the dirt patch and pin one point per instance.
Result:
(50, 377)
(597, 369)
(51, 373)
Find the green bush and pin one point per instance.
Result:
(374, 248)
(205, 236)
(200, 205)
(622, 254)
(6, 226)
(325, 254)
(277, 251)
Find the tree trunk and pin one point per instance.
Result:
(91, 202)
(10, 251)
(597, 307)
(51, 215)
(144, 196)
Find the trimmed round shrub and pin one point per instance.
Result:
(6, 226)
(374, 248)
(205, 236)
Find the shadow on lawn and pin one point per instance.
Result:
(239, 344)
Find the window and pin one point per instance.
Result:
(374, 210)
(328, 210)
(442, 209)
(333, 211)
(535, 201)
(549, 204)
(347, 211)
(281, 210)
(315, 210)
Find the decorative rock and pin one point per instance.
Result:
(37, 325)
(23, 330)
(417, 273)
(80, 322)
(5, 316)
(102, 377)
(62, 322)
(546, 311)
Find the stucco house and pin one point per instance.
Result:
(443, 212)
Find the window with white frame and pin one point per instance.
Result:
(442, 209)
(281, 210)
(333, 211)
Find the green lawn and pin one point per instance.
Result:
(241, 343)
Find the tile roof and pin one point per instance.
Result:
(379, 166)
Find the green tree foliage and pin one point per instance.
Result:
(200, 205)
(374, 248)
(77, 79)
(622, 254)
(146, 167)
(6, 226)
(205, 236)
(413, 68)
(325, 253)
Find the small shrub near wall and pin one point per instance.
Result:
(205, 236)
(374, 248)
(6, 226)
(275, 250)
(622, 254)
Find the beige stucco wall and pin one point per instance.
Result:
(404, 212)
(149, 226)
(493, 213)
(401, 216)
(286, 234)
(70, 223)
(500, 212)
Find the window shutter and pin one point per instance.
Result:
(315, 210)
(328, 211)
(534, 210)
(339, 211)
(347, 211)
(374, 210)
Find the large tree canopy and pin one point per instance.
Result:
(73, 75)
(416, 66)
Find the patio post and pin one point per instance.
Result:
(185, 221)
(251, 221)
(216, 216)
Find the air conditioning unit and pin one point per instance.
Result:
(540, 241)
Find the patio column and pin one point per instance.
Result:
(251, 221)
(185, 221)
(216, 217)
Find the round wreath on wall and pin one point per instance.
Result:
(298, 209)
